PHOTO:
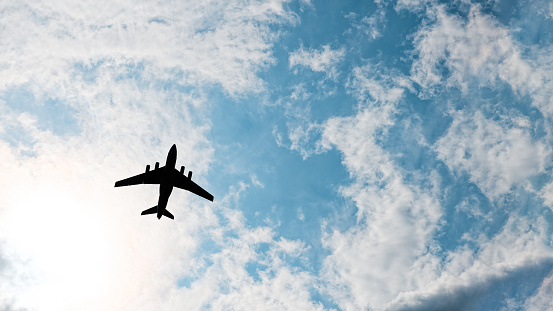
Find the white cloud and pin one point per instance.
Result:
(216, 42)
(478, 51)
(277, 136)
(116, 63)
(390, 259)
(546, 193)
(541, 300)
(412, 5)
(301, 215)
(473, 207)
(496, 156)
(256, 182)
(520, 245)
(386, 253)
(372, 25)
(369, 83)
(319, 60)
(303, 134)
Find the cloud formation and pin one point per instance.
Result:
(324, 59)
(223, 43)
(386, 252)
(444, 150)
(497, 156)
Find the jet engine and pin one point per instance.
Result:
(182, 170)
(147, 168)
(157, 165)
(190, 175)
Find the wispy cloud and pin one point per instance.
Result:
(541, 300)
(372, 26)
(223, 43)
(301, 215)
(303, 132)
(324, 59)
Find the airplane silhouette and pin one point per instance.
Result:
(167, 177)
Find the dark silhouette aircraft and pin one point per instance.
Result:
(167, 177)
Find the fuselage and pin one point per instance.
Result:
(166, 184)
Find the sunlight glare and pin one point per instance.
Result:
(64, 244)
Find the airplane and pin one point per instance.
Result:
(167, 177)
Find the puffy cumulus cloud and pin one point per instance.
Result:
(466, 273)
(387, 251)
(319, 60)
(497, 155)
(214, 42)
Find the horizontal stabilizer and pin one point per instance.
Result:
(152, 210)
(167, 214)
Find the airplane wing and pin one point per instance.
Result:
(150, 177)
(181, 181)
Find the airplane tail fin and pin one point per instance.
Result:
(167, 214)
(152, 210)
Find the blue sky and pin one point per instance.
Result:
(363, 155)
